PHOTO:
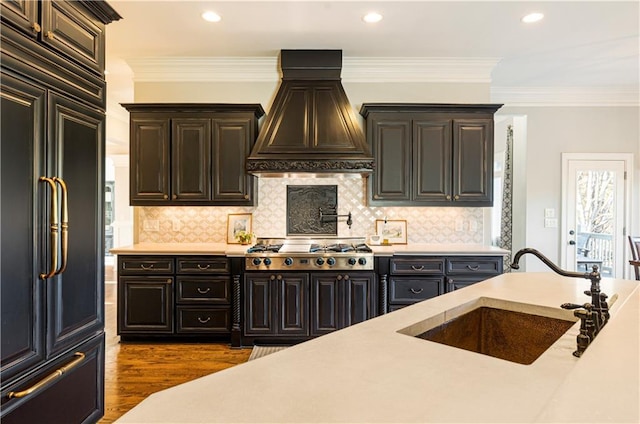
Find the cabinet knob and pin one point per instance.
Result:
(448, 197)
(36, 27)
(456, 197)
(49, 35)
(272, 277)
(165, 197)
(339, 277)
(174, 197)
(246, 196)
(346, 277)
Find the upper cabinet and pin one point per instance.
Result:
(192, 154)
(430, 154)
(75, 29)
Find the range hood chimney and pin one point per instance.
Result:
(311, 127)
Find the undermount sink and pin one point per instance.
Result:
(513, 331)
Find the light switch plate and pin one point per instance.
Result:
(549, 213)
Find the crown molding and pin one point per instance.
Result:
(566, 96)
(361, 69)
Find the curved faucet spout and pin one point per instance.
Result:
(547, 262)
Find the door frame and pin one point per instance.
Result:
(627, 158)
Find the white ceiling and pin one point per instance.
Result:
(578, 44)
(582, 53)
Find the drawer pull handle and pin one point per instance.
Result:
(417, 268)
(146, 268)
(203, 291)
(473, 268)
(416, 291)
(204, 321)
(200, 267)
(79, 357)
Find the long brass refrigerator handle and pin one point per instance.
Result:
(64, 224)
(53, 229)
(79, 357)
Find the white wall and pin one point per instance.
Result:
(554, 130)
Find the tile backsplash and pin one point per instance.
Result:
(203, 224)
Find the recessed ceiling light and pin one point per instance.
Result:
(211, 17)
(532, 17)
(372, 17)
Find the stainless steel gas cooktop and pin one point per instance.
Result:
(298, 254)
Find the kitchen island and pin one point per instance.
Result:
(376, 372)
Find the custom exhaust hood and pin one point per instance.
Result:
(311, 127)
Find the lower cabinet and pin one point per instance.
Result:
(298, 306)
(73, 391)
(173, 296)
(416, 278)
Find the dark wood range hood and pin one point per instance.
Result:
(311, 127)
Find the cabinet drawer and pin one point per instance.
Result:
(203, 265)
(480, 265)
(210, 290)
(145, 265)
(457, 282)
(417, 265)
(75, 395)
(203, 320)
(405, 290)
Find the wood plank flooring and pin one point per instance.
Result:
(133, 371)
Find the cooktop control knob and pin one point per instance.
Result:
(288, 261)
(256, 261)
(362, 261)
(320, 261)
(267, 261)
(331, 261)
(352, 261)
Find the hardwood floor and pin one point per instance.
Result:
(133, 371)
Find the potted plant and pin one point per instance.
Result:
(244, 237)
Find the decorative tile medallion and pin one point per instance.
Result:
(304, 203)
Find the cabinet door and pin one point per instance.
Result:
(389, 138)
(190, 159)
(325, 304)
(432, 160)
(69, 29)
(259, 304)
(149, 157)
(22, 224)
(75, 295)
(293, 304)
(232, 142)
(145, 305)
(21, 14)
(473, 161)
(358, 305)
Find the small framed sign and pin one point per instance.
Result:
(238, 224)
(392, 230)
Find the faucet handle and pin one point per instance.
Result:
(586, 306)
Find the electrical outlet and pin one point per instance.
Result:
(550, 223)
(151, 225)
(473, 225)
(459, 224)
(176, 224)
(549, 213)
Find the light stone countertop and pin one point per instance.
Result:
(182, 249)
(240, 250)
(371, 373)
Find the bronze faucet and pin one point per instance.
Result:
(593, 316)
